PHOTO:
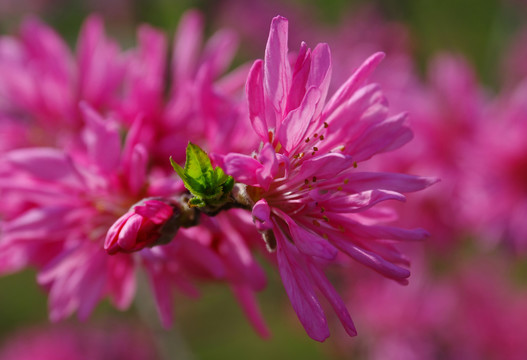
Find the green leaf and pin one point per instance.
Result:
(198, 165)
(210, 186)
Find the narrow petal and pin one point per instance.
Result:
(294, 127)
(326, 166)
(308, 242)
(102, 139)
(276, 65)
(333, 297)
(354, 82)
(361, 181)
(247, 300)
(255, 96)
(301, 294)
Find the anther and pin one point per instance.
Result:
(326, 124)
(314, 179)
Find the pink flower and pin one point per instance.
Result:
(144, 225)
(43, 82)
(116, 341)
(447, 112)
(496, 200)
(310, 201)
(452, 315)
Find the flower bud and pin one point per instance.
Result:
(148, 223)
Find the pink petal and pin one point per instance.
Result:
(242, 168)
(326, 166)
(293, 128)
(46, 164)
(353, 83)
(250, 307)
(268, 171)
(309, 242)
(187, 45)
(138, 168)
(371, 260)
(333, 297)
(102, 139)
(386, 136)
(361, 181)
(262, 215)
(128, 234)
(299, 80)
(276, 65)
(156, 211)
(255, 96)
(320, 74)
(300, 292)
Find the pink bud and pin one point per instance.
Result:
(144, 225)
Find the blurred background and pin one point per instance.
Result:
(465, 289)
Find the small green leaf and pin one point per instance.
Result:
(210, 186)
(198, 165)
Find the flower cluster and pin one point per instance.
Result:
(89, 197)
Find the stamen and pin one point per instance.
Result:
(326, 124)
(307, 140)
(325, 218)
(314, 179)
(321, 137)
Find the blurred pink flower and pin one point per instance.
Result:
(58, 203)
(310, 201)
(497, 196)
(445, 113)
(43, 82)
(68, 342)
(449, 316)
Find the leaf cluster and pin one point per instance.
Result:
(210, 186)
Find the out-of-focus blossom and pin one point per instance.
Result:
(451, 315)
(43, 82)
(68, 342)
(60, 201)
(497, 194)
(310, 201)
(445, 116)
